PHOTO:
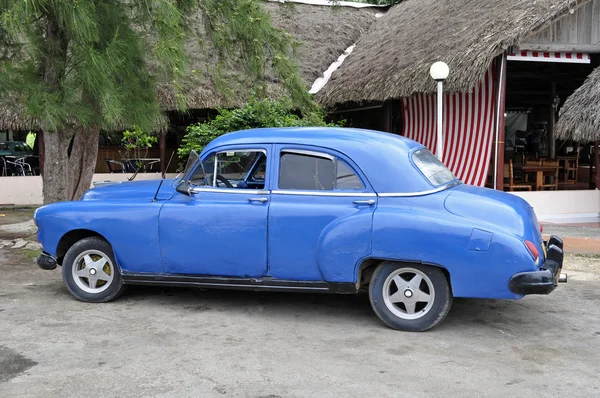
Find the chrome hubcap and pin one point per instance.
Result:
(408, 293)
(93, 272)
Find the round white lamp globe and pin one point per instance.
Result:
(439, 71)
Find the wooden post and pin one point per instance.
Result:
(41, 150)
(500, 91)
(551, 140)
(163, 153)
(388, 117)
(597, 164)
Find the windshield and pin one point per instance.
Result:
(192, 159)
(432, 168)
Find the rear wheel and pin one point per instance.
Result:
(412, 297)
(90, 271)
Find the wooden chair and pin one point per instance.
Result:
(569, 170)
(511, 185)
(519, 160)
(551, 181)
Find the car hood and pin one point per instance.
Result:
(497, 209)
(128, 190)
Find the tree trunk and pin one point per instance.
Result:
(68, 174)
(82, 162)
(55, 166)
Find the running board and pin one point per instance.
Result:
(256, 284)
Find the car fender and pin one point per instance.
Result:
(131, 229)
(344, 243)
(478, 259)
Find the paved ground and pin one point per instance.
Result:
(16, 222)
(15, 214)
(174, 343)
(577, 237)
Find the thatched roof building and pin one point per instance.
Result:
(324, 32)
(392, 60)
(580, 115)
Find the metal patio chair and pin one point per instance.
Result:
(110, 163)
(14, 168)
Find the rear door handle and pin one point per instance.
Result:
(370, 202)
(261, 200)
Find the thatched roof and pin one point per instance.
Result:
(324, 32)
(580, 115)
(393, 59)
(11, 117)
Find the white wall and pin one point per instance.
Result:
(548, 205)
(28, 190)
(563, 205)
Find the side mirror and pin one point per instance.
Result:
(184, 188)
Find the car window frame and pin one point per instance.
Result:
(322, 152)
(250, 176)
(264, 148)
(449, 184)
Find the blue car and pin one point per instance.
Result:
(330, 210)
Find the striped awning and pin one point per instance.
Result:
(539, 56)
(468, 126)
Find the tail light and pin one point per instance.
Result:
(541, 227)
(533, 250)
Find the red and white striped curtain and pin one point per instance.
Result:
(468, 129)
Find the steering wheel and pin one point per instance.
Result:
(219, 178)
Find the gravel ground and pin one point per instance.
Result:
(209, 343)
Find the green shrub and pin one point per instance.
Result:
(137, 143)
(254, 114)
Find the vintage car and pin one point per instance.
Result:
(308, 210)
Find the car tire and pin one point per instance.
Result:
(90, 271)
(410, 297)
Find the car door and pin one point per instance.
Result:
(221, 228)
(320, 216)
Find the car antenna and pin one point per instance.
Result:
(163, 177)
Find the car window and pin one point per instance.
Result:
(346, 178)
(306, 172)
(432, 168)
(19, 148)
(3, 146)
(316, 172)
(229, 170)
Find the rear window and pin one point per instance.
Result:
(432, 168)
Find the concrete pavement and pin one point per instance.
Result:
(209, 343)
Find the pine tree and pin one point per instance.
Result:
(79, 66)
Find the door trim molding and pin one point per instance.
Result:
(321, 193)
(420, 193)
(256, 284)
(230, 190)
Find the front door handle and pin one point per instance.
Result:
(261, 200)
(370, 202)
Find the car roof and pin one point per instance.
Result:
(384, 158)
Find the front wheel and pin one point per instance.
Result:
(90, 271)
(411, 297)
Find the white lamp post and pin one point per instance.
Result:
(439, 72)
